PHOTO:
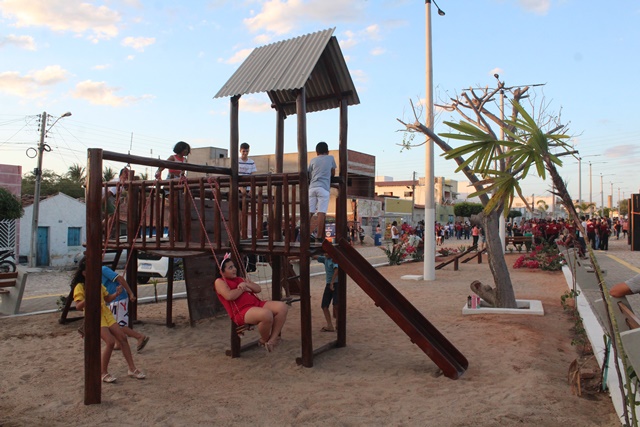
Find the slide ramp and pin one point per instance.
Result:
(421, 332)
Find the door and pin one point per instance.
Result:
(42, 249)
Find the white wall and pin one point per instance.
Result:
(57, 212)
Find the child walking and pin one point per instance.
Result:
(110, 331)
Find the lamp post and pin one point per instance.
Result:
(429, 272)
(591, 186)
(42, 147)
(580, 174)
(602, 193)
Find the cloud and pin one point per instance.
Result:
(98, 93)
(100, 67)
(359, 76)
(31, 85)
(138, 43)
(372, 32)
(622, 151)
(238, 57)
(22, 42)
(254, 105)
(76, 16)
(539, 7)
(262, 39)
(377, 51)
(283, 16)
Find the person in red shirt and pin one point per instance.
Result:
(591, 233)
(553, 230)
(237, 295)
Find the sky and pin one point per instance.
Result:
(140, 75)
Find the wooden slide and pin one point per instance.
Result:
(421, 332)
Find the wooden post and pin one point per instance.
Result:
(133, 216)
(341, 220)
(277, 262)
(305, 233)
(93, 301)
(233, 202)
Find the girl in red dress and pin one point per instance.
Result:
(237, 295)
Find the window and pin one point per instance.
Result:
(73, 236)
(408, 194)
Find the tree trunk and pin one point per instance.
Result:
(505, 297)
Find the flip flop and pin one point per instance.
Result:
(108, 378)
(143, 344)
(325, 329)
(137, 374)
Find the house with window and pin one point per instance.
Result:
(61, 230)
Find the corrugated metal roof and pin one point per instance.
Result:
(313, 61)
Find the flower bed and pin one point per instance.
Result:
(544, 257)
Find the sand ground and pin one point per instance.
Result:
(517, 367)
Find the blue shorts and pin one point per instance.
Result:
(329, 295)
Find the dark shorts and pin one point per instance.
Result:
(329, 296)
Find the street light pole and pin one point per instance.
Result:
(36, 189)
(429, 272)
(579, 180)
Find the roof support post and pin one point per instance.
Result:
(277, 261)
(305, 232)
(341, 218)
(234, 146)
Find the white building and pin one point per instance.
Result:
(61, 230)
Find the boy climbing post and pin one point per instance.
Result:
(321, 169)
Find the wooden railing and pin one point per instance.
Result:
(193, 214)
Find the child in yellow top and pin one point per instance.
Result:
(110, 331)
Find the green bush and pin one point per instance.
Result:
(10, 206)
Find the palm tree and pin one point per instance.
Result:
(495, 167)
(76, 173)
(108, 174)
(584, 206)
(542, 208)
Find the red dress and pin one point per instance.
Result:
(239, 307)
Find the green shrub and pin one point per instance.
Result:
(10, 206)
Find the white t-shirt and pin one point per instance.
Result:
(246, 167)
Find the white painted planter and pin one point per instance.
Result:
(525, 307)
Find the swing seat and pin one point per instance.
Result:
(240, 330)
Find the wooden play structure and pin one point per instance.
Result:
(302, 75)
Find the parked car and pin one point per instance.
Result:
(150, 266)
(109, 256)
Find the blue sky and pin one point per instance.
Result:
(141, 75)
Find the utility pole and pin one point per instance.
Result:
(42, 147)
(36, 192)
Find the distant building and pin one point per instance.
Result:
(61, 230)
(445, 193)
